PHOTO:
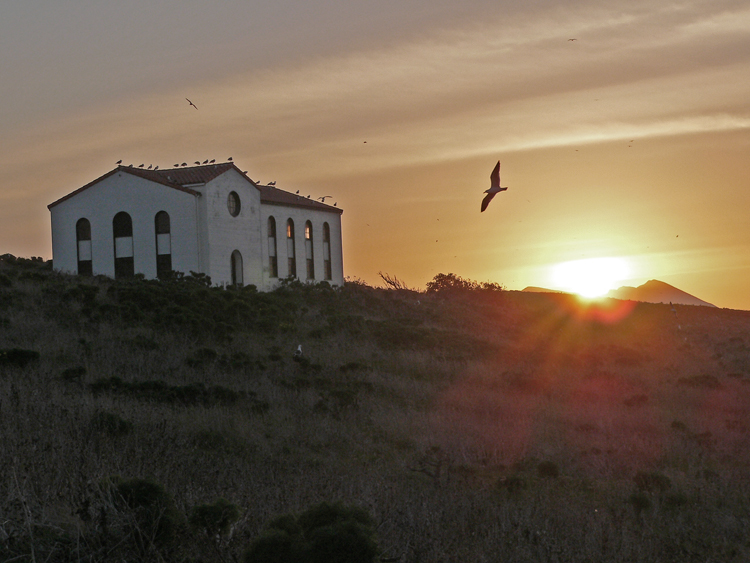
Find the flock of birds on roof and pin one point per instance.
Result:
(213, 161)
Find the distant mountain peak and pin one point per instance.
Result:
(655, 291)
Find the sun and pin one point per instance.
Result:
(591, 277)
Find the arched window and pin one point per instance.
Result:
(273, 266)
(122, 228)
(163, 244)
(236, 268)
(83, 242)
(291, 260)
(233, 204)
(326, 252)
(309, 251)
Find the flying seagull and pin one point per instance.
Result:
(323, 198)
(191, 103)
(494, 186)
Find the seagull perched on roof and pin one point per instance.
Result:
(494, 186)
(205, 161)
(212, 161)
(191, 103)
(183, 164)
(230, 159)
(119, 162)
(197, 162)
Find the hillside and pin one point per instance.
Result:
(472, 424)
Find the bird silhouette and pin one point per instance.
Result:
(323, 198)
(119, 162)
(205, 161)
(156, 168)
(494, 186)
(230, 159)
(335, 203)
(197, 162)
(175, 165)
(212, 161)
(183, 164)
(150, 166)
(141, 165)
(297, 192)
(191, 103)
(272, 183)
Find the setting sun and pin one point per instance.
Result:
(591, 277)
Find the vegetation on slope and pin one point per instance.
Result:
(170, 421)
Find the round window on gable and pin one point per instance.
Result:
(233, 204)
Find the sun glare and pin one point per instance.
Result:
(592, 277)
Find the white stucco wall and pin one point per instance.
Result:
(300, 215)
(142, 200)
(225, 234)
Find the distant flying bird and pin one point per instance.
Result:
(119, 162)
(573, 39)
(494, 186)
(323, 198)
(191, 103)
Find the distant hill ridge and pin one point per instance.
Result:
(653, 291)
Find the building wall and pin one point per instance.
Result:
(224, 233)
(142, 200)
(300, 216)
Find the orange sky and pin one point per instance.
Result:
(631, 141)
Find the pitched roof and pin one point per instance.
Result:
(183, 177)
(270, 194)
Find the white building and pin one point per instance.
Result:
(209, 219)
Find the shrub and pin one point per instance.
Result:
(640, 502)
(111, 424)
(548, 469)
(652, 482)
(215, 519)
(17, 357)
(326, 533)
(155, 519)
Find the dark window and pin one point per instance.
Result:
(122, 228)
(309, 251)
(83, 244)
(233, 204)
(163, 244)
(326, 251)
(236, 268)
(291, 259)
(273, 266)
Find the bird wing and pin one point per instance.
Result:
(487, 199)
(495, 176)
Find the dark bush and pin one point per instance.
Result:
(548, 469)
(640, 502)
(215, 519)
(17, 357)
(73, 374)
(111, 424)
(705, 380)
(326, 533)
(156, 520)
(652, 482)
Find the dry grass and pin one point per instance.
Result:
(473, 425)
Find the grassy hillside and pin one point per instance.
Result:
(472, 424)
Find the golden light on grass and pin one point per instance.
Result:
(590, 277)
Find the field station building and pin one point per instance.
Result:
(211, 219)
